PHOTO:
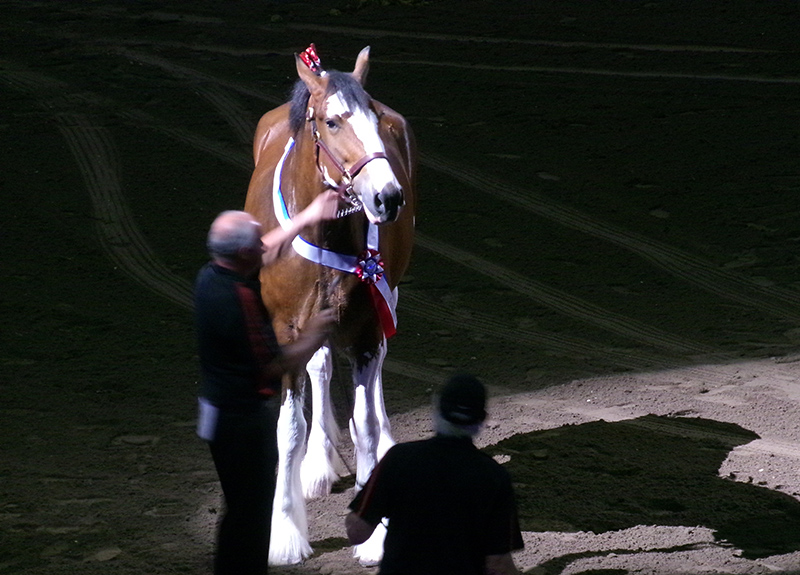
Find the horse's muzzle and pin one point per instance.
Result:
(386, 204)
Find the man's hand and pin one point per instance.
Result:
(315, 332)
(321, 325)
(324, 207)
(276, 242)
(357, 529)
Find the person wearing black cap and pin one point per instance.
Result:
(450, 507)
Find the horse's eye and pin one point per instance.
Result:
(331, 124)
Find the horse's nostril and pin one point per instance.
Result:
(388, 202)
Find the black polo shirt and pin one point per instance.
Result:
(235, 339)
(449, 506)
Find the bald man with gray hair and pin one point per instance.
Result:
(231, 232)
(241, 366)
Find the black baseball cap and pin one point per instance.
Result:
(462, 400)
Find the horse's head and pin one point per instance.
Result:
(351, 154)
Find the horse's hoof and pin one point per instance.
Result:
(288, 546)
(370, 552)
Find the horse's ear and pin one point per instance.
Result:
(309, 78)
(362, 66)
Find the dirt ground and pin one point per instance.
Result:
(608, 235)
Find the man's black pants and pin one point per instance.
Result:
(245, 454)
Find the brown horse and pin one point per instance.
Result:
(332, 134)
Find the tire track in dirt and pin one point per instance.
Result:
(598, 72)
(94, 155)
(563, 302)
(380, 33)
(775, 301)
(233, 113)
(233, 156)
(92, 148)
(568, 346)
(570, 45)
(190, 74)
(207, 86)
(549, 297)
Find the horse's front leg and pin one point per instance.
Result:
(385, 440)
(371, 434)
(317, 472)
(289, 537)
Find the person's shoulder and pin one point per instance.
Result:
(491, 464)
(204, 277)
(205, 270)
(214, 285)
(214, 272)
(407, 446)
(408, 449)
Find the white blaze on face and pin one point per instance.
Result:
(377, 174)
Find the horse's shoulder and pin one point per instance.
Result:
(274, 125)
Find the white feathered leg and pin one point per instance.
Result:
(371, 434)
(317, 472)
(370, 552)
(289, 537)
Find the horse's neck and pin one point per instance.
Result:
(346, 235)
(300, 180)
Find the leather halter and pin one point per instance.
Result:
(345, 187)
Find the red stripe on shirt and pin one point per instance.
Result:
(262, 339)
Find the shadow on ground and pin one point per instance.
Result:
(652, 470)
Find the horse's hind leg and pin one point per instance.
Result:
(317, 472)
(289, 538)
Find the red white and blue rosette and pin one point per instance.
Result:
(370, 266)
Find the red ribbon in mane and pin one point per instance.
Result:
(310, 59)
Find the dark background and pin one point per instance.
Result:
(606, 188)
